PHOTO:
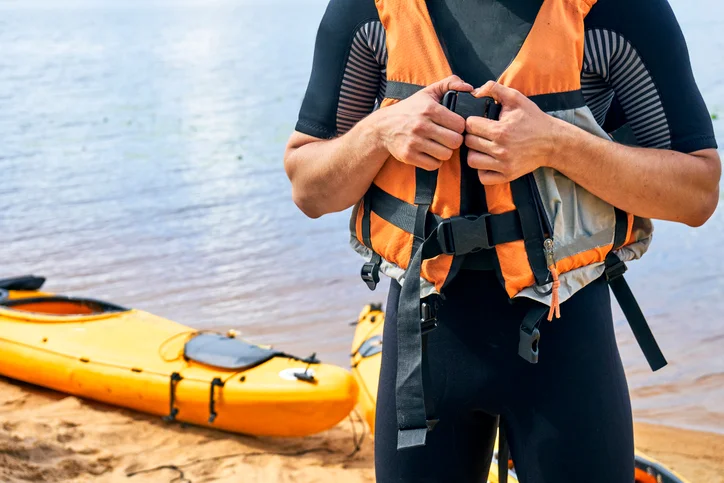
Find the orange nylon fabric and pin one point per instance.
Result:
(549, 61)
(589, 257)
(552, 56)
(415, 57)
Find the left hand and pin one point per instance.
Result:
(522, 140)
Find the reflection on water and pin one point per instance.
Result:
(141, 147)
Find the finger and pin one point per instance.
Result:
(482, 127)
(452, 83)
(423, 160)
(488, 178)
(482, 145)
(442, 116)
(502, 94)
(451, 139)
(485, 162)
(436, 150)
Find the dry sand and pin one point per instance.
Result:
(47, 436)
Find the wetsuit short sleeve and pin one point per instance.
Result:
(349, 65)
(637, 62)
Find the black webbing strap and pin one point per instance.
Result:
(503, 453)
(367, 207)
(615, 269)
(401, 90)
(453, 234)
(621, 228)
(558, 101)
(412, 422)
(370, 271)
(524, 195)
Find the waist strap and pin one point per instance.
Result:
(460, 235)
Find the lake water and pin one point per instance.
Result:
(141, 149)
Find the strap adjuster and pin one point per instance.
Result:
(370, 274)
(614, 270)
(428, 317)
(528, 344)
(461, 235)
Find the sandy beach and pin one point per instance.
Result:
(51, 437)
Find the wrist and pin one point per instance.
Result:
(563, 139)
(371, 133)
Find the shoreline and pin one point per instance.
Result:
(52, 437)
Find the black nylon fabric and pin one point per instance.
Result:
(226, 352)
(568, 418)
(410, 394)
(558, 101)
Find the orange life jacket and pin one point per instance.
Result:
(551, 237)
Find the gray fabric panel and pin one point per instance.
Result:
(581, 221)
(226, 352)
(390, 269)
(401, 90)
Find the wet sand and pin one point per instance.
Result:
(50, 437)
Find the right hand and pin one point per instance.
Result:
(419, 130)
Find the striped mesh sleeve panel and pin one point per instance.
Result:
(612, 66)
(365, 76)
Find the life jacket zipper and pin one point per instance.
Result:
(555, 296)
(548, 227)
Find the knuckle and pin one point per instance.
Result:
(501, 152)
(469, 124)
(407, 152)
(428, 109)
(474, 159)
(418, 126)
(502, 133)
(456, 141)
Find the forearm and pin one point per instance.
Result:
(651, 183)
(331, 175)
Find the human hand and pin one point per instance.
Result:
(523, 140)
(419, 130)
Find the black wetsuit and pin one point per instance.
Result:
(568, 418)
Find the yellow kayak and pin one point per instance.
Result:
(133, 359)
(366, 360)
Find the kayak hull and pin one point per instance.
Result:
(127, 359)
(365, 365)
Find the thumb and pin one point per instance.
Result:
(452, 83)
(502, 94)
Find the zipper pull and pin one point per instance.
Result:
(555, 297)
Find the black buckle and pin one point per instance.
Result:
(615, 270)
(466, 105)
(528, 344)
(461, 235)
(370, 274)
